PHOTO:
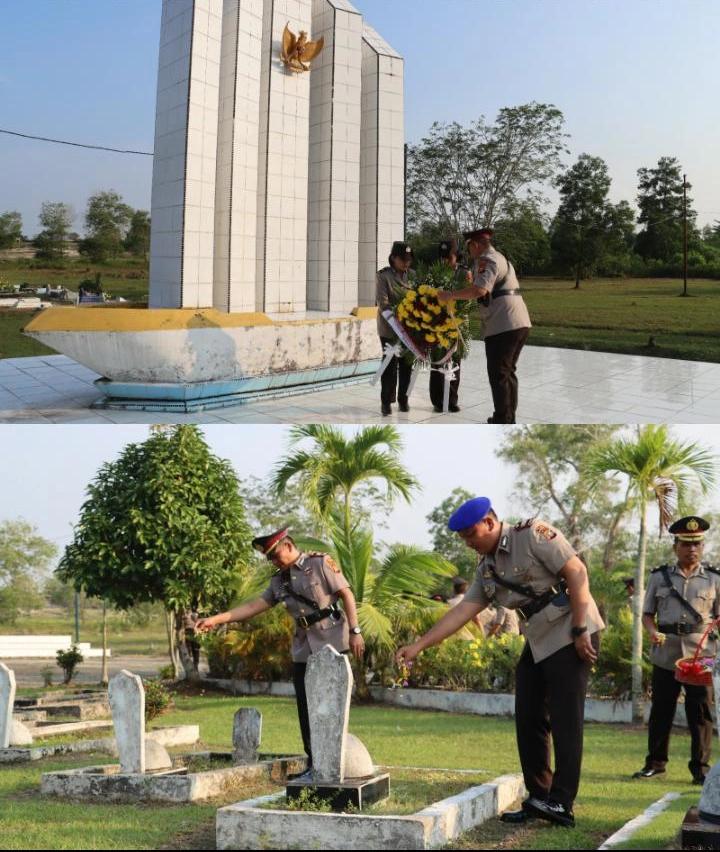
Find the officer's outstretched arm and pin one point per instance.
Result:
(450, 623)
(240, 613)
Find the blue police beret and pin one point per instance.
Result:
(469, 513)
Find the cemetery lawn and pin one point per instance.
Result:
(395, 738)
(621, 315)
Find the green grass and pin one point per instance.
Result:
(608, 797)
(126, 277)
(14, 344)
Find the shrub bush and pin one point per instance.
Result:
(157, 698)
(68, 661)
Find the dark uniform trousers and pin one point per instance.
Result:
(550, 699)
(665, 693)
(502, 352)
(437, 387)
(299, 670)
(389, 384)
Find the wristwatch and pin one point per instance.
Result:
(356, 630)
(578, 631)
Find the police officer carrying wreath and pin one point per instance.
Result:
(309, 585)
(533, 569)
(505, 316)
(681, 600)
(392, 283)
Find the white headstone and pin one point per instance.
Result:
(7, 700)
(20, 735)
(156, 756)
(328, 685)
(247, 729)
(358, 763)
(127, 703)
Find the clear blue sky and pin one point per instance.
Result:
(45, 469)
(636, 80)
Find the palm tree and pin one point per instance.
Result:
(336, 465)
(660, 469)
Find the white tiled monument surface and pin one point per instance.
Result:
(273, 191)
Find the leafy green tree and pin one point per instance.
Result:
(447, 543)
(106, 221)
(165, 522)
(10, 229)
(581, 226)
(660, 201)
(460, 177)
(335, 467)
(56, 219)
(25, 557)
(137, 241)
(522, 234)
(658, 469)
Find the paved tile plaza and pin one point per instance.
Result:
(556, 386)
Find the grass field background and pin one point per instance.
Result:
(395, 737)
(605, 315)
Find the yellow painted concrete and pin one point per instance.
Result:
(159, 319)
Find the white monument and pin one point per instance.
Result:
(276, 195)
(7, 702)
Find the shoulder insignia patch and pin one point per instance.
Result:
(524, 525)
(711, 568)
(331, 563)
(545, 531)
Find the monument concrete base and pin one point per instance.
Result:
(358, 792)
(699, 832)
(189, 360)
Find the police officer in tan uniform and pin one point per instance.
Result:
(532, 568)
(499, 620)
(309, 585)
(505, 316)
(681, 600)
(392, 283)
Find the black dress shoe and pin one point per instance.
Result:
(404, 406)
(551, 811)
(698, 780)
(519, 817)
(386, 409)
(454, 409)
(438, 409)
(648, 772)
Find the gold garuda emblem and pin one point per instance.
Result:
(296, 51)
(692, 525)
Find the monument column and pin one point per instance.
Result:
(282, 166)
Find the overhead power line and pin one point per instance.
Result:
(75, 144)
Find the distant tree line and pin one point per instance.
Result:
(461, 178)
(111, 227)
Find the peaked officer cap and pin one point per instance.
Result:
(267, 543)
(447, 247)
(480, 232)
(469, 514)
(400, 249)
(691, 528)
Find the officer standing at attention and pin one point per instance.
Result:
(505, 316)
(391, 285)
(532, 568)
(681, 600)
(309, 585)
(448, 254)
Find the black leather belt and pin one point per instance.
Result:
(680, 629)
(499, 293)
(306, 621)
(527, 610)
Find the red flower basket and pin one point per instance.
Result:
(697, 670)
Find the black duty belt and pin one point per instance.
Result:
(496, 294)
(306, 621)
(557, 595)
(680, 629)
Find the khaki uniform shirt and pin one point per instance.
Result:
(390, 289)
(701, 589)
(314, 576)
(507, 620)
(505, 313)
(531, 553)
